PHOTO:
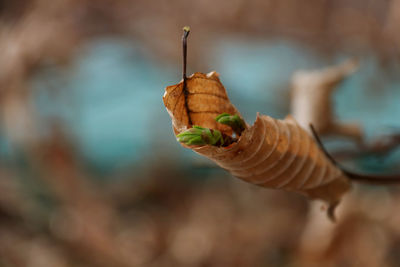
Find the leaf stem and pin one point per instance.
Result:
(186, 31)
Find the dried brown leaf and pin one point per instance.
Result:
(271, 153)
(206, 98)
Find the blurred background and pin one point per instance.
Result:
(90, 171)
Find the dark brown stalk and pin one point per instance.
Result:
(359, 177)
(186, 31)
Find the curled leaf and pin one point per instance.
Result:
(271, 153)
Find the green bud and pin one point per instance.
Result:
(234, 121)
(200, 136)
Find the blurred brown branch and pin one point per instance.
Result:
(66, 219)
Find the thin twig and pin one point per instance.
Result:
(366, 178)
(186, 31)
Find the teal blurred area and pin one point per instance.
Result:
(110, 98)
(110, 101)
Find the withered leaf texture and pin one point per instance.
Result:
(271, 153)
(206, 98)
